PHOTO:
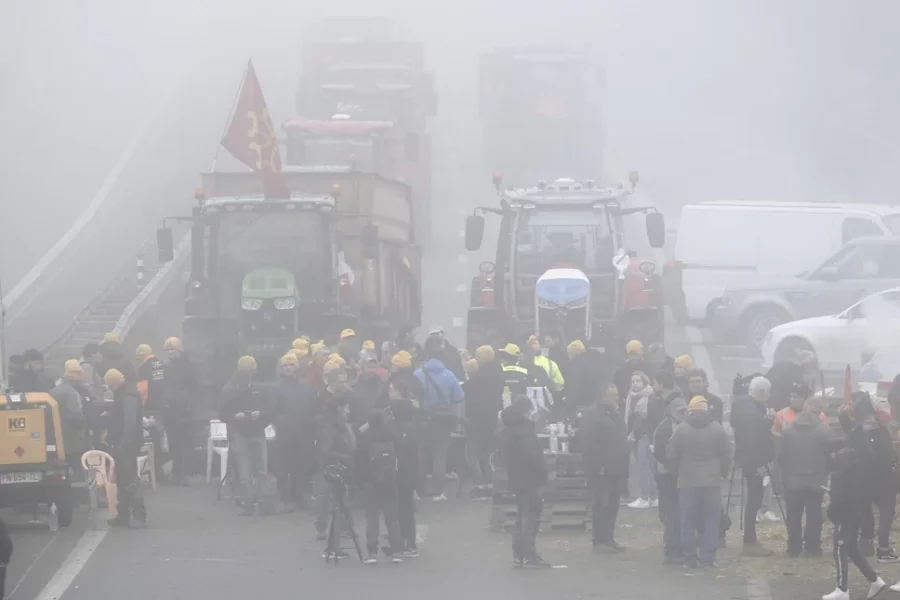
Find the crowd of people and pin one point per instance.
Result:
(386, 417)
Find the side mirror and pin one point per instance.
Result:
(829, 273)
(474, 232)
(656, 229)
(370, 241)
(165, 244)
(411, 147)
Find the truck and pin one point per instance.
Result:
(562, 265)
(541, 113)
(366, 70)
(339, 252)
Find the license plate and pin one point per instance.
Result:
(20, 477)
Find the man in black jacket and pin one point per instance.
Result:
(667, 482)
(521, 451)
(404, 413)
(125, 436)
(698, 385)
(294, 433)
(248, 410)
(377, 475)
(335, 443)
(114, 358)
(754, 449)
(604, 444)
(180, 393)
(32, 377)
(484, 400)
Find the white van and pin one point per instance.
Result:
(724, 244)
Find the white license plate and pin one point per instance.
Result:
(20, 477)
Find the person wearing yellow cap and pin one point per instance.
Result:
(401, 360)
(556, 380)
(125, 435)
(313, 373)
(71, 395)
(247, 410)
(515, 376)
(294, 433)
(114, 358)
(605, 450)
(582, 379)
(634, 361)
(682, 368)
(180, 392)
(151, 374)
(442, 403)
(301, 346)
(700, 455)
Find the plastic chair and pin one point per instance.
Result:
(101, 474)
(217, 443)
(147, 464)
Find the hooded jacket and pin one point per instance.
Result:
(603, 441)
(806, 447)
(441, 388)
(293, 418)
(520, 451)
(484, 400)
(70, 400)
(874, 447)
(699, 451)
(180, 390)
(753, 442)
(245, 396)
(335, 441)
(113, 358)
(378, 432)
(583, 380)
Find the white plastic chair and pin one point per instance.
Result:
(101, 470)
(217, 443)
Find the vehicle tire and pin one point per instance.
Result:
(758, 321)
(65, 507)
(787, 350)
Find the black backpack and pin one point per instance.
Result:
(383, 456)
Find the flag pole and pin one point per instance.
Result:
(234, 102)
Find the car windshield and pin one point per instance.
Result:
(546, 238)
(893, 222)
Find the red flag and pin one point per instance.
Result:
(251, 137)
(848, 386)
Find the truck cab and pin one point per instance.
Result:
(561, 265)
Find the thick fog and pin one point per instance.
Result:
(708, 99)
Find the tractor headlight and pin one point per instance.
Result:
(284, 303)
(251, 303)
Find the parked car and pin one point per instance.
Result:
(851, 337)
(733, 244)
(860, 268)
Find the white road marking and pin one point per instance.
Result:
(97, 202)
(33, 563)
(73, 564)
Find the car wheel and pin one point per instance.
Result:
(759, 321)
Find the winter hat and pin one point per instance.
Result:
(348, 333)
(634, 348)
(143, 351)
(173, 343)
(246, 364)
(110, 338)
(684, 361)
(511, 349)
(484, 354)
(698, 403)
(289, 358)
(72, 370)
(576, 348)
(471, 367)
(114, 379)
(402, 360)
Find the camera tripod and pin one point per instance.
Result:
(339, 510)
(743, 502)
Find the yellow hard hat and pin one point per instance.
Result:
(347, 333)
(246, 363)
(634, 348)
